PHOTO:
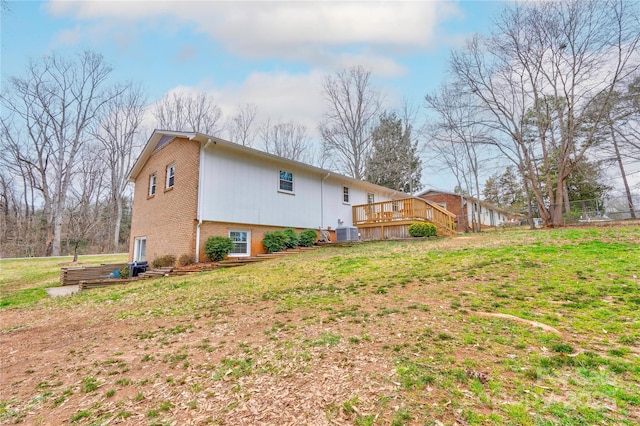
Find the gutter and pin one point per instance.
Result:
(200, 191)
(322, 200)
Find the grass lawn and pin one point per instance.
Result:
(22, 281)
(515, 327)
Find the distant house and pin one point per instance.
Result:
(465, 208)
(190, 186)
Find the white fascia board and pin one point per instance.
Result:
(150, 146)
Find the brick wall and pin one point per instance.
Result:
(453, 205)
(167, 219)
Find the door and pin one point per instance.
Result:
(140, 249)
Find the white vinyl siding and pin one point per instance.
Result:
(239, 188)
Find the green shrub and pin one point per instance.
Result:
(124, 272)
(422, 229)
(162, 261)
(216, 248)
(274, 241)
(186, 260)
(307, 238)
(291, 238)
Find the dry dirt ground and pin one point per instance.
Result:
(54, 352)
(237, 362)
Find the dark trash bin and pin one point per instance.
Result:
(137, 267)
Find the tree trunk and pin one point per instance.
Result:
(555, 209)
(116, 232)
(478, 202)
(532, 225)
(622, 172)
(567, 204)
(56, 243)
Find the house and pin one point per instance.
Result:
(190, 186)
(465, 208)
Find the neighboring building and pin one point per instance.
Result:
(465, 208)
(190, 186)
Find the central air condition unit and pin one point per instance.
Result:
(347, 233)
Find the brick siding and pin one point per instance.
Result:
(453, 205)
(168, 218)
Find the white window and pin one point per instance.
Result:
(140, 249)
(345, 194)
(371, 198)
(171, 175)
(152, 184)
(286, 181)
(241, 243)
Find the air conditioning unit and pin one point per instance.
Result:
(347, 233)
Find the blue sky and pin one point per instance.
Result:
(271, 54)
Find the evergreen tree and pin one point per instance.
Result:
(394, 161)
(505, 190)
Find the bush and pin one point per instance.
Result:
(422, 229)
(274, 241)
(216, 248)
(162, 261)
(186, 260)
(291, 238)
(307, 238)
(124, 272)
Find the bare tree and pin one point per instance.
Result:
(53, 106)
(286, 140)
(461, 139)
(117, 132)
(241, 126)
(189, 112)
(353, 106)
(537, 75)
(621, 136)
(86, 198)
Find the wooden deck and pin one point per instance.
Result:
(391, 219)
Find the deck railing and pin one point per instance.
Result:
(406, 210)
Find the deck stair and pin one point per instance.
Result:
(391, 219)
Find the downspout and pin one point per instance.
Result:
(200, 190)
(322, 200)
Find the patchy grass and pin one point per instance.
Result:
(23, 281)
(396, 332)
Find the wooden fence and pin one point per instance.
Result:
(73, 276)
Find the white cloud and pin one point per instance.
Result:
(279, 97)
(299, 31)
(73, 35)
